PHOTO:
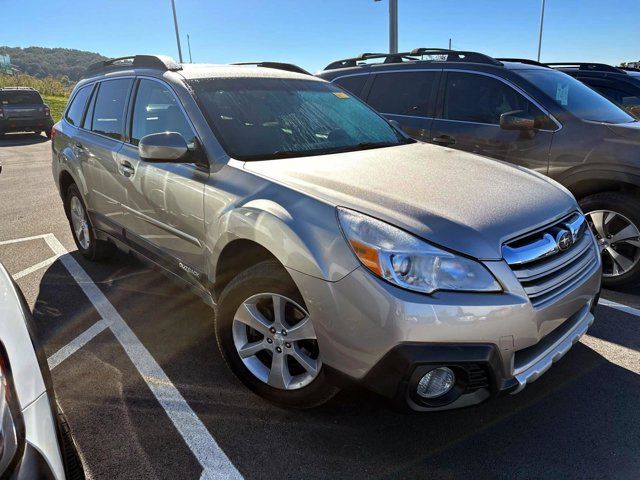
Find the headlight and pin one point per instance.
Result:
(409, 262)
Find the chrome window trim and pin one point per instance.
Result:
(91, 131)
(506, 82)
(407, 116)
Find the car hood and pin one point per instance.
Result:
(457, 200)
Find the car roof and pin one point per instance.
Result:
(203, 70)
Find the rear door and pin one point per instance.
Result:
(468, 118)
(164, 205)
(99, 144)
(407, 97)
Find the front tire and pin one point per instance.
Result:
(614, 218)
(267, 338)
(88, 245)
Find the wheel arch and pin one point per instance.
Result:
(588, 182)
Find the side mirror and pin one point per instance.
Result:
(163, 147)
(517, 120)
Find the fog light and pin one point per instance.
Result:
(436, 383)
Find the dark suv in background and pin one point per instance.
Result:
(620, 85)
(523, 113)
(23, 110)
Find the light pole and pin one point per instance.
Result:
(393, 25)
(541, 25)
(175, 23)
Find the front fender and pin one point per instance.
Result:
(304, 236)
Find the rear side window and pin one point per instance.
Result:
(156, 110)
(405, 93)
(76, 109)
(109, 109)
(20, 97)
(482, 99)
(353, 84)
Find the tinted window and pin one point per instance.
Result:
(353, 84)
(406, 93)
(156, 110)
(261, 118)
(76, 109)
(88, 117)
(575, 97)
(108, 113)
(618, 92)
(20, 97)
(482, 99)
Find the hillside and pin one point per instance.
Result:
(51, 62)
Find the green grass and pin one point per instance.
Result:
(56, 104)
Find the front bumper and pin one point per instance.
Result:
(386, 338)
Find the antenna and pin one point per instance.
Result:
(189, 45)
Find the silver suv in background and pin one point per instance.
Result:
(331, 245)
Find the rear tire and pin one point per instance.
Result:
(301, 388)
(81, 229)
(615, 220)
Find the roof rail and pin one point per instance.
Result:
(158, 62)
(526, 61)
(353, 62)
(18, 88)
(597, 67)
(457, 55)
(452, 56)
(289, 67)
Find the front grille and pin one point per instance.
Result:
(544, 269)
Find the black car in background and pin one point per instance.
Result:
(523, 113)
(23, 110)
(620, 85)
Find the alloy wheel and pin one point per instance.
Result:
(79, 222)
(275, 339)
(619, 241)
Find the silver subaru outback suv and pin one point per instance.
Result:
(332, 247)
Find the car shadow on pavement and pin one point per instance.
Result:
(580, 420)
(21, 139)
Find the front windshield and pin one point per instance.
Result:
(575, 97)
(263, 118)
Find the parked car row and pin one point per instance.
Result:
(334, 247)
(527, 114)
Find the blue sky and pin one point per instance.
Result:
(311, 33)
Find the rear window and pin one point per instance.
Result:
(405, 93)
(108, 113)
(17, 97)
(353, 84)
(76, 109)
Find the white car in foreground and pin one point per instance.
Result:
(34, 438)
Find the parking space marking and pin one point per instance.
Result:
(23, 239)
(619, 306)
(215, 463)
(76, 344)
(615, 353)
(36, 267)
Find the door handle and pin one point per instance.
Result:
(79, 146)
(126, 168)
(444, 140)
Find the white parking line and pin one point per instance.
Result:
(619, 306)
(215, 463)
(37, 266)
(76, 344)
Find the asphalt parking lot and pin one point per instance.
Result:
(137, 372)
